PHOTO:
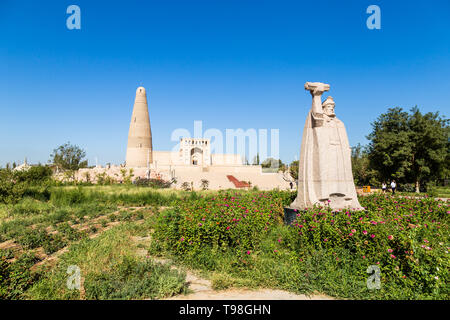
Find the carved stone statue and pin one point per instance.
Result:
(325, 170)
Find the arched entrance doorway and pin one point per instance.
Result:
(196, 156)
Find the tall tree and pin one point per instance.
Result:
(409, 147)
(256, 159)
(363, 174)
(293, 169)
(273, 163)
(69, 157)
(390, 146)
(429, 135)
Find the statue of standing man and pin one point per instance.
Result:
(325, 171)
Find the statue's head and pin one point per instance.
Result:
(328, 107)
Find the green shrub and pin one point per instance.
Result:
(68, 232)
(30, 206)
(33, 238)
(152, 183)
(67, 197)
(229, 220)
(16, 277)
(35, 183)
(243, 234)
(34, 175)
(54, 243)
(135, 279)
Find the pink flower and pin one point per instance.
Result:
(353, 230)
(364, 232)
(350, 234)
(393, 257)
(248, 252)
(372, 235)
(325, 240)
(390, 250)
(364, 257)
(390, 237)
(228, 228)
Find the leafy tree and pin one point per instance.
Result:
(34, 175)
(204, 184)
(409, 147)
(69, 157)
(127, 176)
(390, 146)
(293, 169)
(273, 163)
(186, 186)
(429, 135)
(363, 174)
(256, 159)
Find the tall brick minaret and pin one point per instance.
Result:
(139, 150)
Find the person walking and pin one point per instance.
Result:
(393, 186)
(383, 187)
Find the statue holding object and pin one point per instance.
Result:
(325, 171)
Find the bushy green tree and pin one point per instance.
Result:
(273, 163)
(34, 182)
(429, 135)
(69, 157)
(409, 147)
(34, 175)
(256, 159)
(363, 174)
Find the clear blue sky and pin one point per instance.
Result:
(230, 63)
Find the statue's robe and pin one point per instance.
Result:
(325, 171)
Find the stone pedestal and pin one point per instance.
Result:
(290, 214)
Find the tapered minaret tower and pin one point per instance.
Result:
(139, 150)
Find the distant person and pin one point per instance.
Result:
(384, 187)
(393, 186)
(291, 184)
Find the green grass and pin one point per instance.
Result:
(46, 223)
(323, 252)
(442, 192)
(111, 269)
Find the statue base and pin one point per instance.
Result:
(290, 214)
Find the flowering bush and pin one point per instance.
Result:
(406, 237)
(236, 220)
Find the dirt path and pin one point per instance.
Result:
(202, 288)
(203, 291)
(245, 294)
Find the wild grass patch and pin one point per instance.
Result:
(110, 269)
